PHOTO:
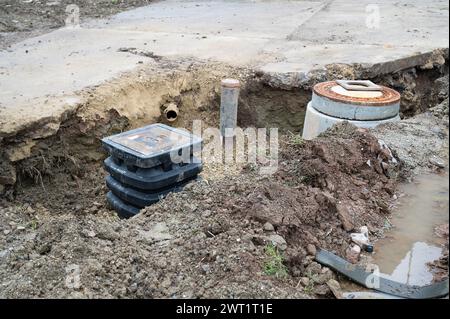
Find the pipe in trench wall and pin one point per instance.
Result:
(171, 112)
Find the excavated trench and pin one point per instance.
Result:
(60, 174)
(143, 98)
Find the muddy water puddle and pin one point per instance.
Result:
(411, 243)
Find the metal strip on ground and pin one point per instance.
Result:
(361, 276)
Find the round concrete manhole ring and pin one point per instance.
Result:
(334, 100)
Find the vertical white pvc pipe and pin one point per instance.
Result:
(228, 106)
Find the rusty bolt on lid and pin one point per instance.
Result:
(356, 100)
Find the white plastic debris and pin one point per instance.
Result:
(362, 239)
(383, 145)
(359, 239)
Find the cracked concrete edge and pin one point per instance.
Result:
(44, 126)
(21, 142)
(306, 80)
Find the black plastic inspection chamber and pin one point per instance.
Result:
(148, 163)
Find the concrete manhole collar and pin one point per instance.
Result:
(332, 99)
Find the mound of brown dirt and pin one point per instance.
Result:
(323, 190)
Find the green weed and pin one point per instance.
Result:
(273, 265)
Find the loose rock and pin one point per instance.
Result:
(352, 253)
(314, 268)
(437, 162)
(335, 288)
(321, 290)
(311, 249)
(268, 227)
(278, 241)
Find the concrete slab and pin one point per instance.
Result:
(275, 36)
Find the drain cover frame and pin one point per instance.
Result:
(359, 85)
(151, 145)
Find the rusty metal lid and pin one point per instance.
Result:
(336, 92)
(356, 100)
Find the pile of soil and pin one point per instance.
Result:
(210, 240)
